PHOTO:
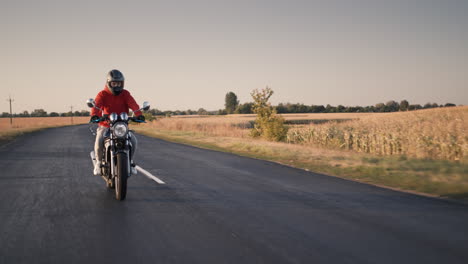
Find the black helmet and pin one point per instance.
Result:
(117, 79)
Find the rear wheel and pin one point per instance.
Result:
(121, 177)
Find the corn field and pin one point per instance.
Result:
(433, 133)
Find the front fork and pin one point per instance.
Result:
(111, 156)
(113, 159)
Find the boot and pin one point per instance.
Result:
(97, 168)
(133, 169)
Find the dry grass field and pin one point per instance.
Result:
(27, 124)
(237, 125)
(433, 133)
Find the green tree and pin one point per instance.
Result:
(221, 112)
(38, 113)
(244, 108)
(317, 109)
(231, 102)
(330, 109)
(414, 107)
(202, 111)
(404, 105)
(24, 114)
(380, 107)
(155, 111)
(148, 117)
(392, 106)
(268, 124)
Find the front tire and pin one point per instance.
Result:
(121, 177)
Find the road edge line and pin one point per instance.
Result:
(149, 175)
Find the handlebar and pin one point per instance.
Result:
(106, 118)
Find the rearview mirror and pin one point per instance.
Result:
(146, 106)
(90, 102)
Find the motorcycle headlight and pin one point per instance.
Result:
(120, 129)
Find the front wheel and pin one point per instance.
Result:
(121, 177)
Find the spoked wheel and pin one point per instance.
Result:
(121, 177)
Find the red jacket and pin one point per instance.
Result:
(110, 103)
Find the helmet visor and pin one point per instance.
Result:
(115, 84)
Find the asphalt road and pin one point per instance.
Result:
(214, 208)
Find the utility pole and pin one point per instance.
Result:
(71, 109)
(11, 113)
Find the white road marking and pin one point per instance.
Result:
(149, 175)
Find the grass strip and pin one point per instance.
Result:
(8, 136)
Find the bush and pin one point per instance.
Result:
(148, 117)
(268, 123)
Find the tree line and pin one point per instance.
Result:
(43, 113)
(233, 106)
(390, 106)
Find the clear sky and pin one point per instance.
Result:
(189, 54)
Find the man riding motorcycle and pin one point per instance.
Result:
(113, 99)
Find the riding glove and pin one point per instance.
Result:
(94, 119)
(140, 118)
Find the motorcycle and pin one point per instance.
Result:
(115, 163)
